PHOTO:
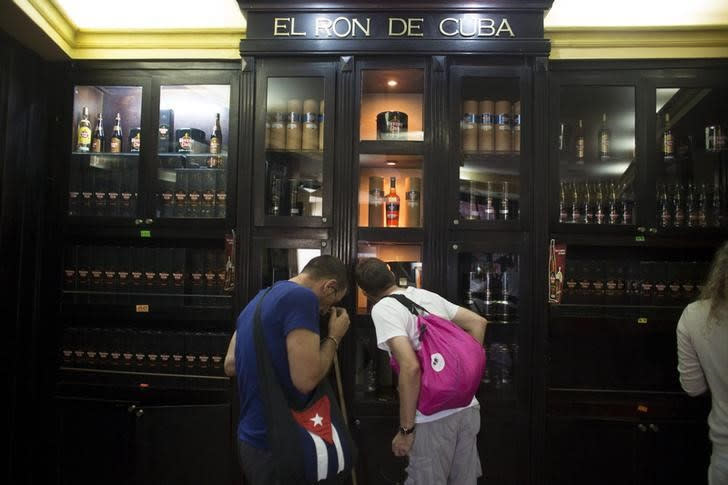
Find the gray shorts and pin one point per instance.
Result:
(445, 451)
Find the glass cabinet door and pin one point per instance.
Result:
(104, 171)
(595, 145)
(281, 259)
(492, 281)
(488, 107)
(689, 160)
(293, 148)
(192, 151)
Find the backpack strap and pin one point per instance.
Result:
(408, 304)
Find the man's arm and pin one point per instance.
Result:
(409, 390)
(692, 378)
(230, 356)
(471, 322)
(309, 359)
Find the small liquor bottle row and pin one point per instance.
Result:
(573, 144)
(299, 127)
(596, 203)
(385, 210)
(489, 126)
(687, 206)
(119, 275)
(488, 201)
(110, 191)
(292, 196)
(492, 287)
(144, 351)
(194, 193)
(632, 283)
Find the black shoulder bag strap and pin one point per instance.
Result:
(408, 304)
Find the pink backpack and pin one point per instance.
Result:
(452, 362)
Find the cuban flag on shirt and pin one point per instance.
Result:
(320, 439)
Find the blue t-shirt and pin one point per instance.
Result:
(286, 307)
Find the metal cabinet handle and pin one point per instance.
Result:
(324, 220)
(455, 247)
(456, 222)
(148, 221)
(131, 408)
(641, 229)
(653, 230)
(655, 428)
(324, 244)
(139, 413)
(138, 222)
(642, 427)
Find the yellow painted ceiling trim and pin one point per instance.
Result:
(156, 53)
(642, 43)
(181, 40)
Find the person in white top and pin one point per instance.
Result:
(702, 350)
(443, 448)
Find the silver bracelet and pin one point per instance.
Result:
(333, 339)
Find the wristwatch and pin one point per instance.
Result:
(406, 431)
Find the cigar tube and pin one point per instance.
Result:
(413, 198)
(277, 129)
(468, 126)
(310, 137)
(503, 133)
(485, 126)
(376, 201)
(293, 124)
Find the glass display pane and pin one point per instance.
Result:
(373, 378)
(158, 276)
(192, 151)
(596, 146)
(392, 105)
(104, 171)
(404, 260)
(390, 191)
(294, 141)
(281, 264)
(490, 136)
(691, 131)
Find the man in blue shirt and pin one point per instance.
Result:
(301, 359)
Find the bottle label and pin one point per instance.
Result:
(115, 145)
(486, 118)
(679, 217)
(665, 217)
(221, 196)
(376, 197)
(185, 143)
(163, 132)
(96, 146)
(214, 145)
(180, 196)
(84, 137)
(601, 216)
(310, 118)
(667, 144)
(136, 142)
(503, 119)
(580, 148)
(413, 197)
(576, 216)
(469, 118)
(293, 118)
(517, 122)
(563, 215)
(613, 216)
(604, 144)
(208, 196)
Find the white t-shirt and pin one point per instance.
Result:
(392, 319)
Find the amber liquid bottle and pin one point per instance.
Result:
(98, 138)
(84, 132)
(116, 136)
(580, 143)
(603, 139)
(216, 137)
(392, 204)
(668, 150)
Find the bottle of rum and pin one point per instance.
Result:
(84, 132)
(489, 202)
(601, 215)
(613, 204)
(588, 209)
(552, 271)
(668, 148)
(717, 219)
(563, 212)
(580, 143)
(98, 138)
(576, 215)
(116, 136)
(703, 206)
(677, 203)
(626, 206)
(216, 137)
(392, 204)
(603, 139)
(691, 207)
(665, 209)
(505, 202)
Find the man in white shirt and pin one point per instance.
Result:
(443, 449)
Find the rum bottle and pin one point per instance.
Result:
(216, 137)
(717, 218)
(601, 215)
(603, 139)
(84, 132)
(588, 210)
(116, 136)
(613, 204)
(691, 207)
(668, 148)
(576, 215)
(489, 202)
(552, 271)
(677, 203)
(98, 138)
(580, 143)
(505, 202)
(703, 206)
(392, 204)
(665, 209)
(563, 213)
(626, 206)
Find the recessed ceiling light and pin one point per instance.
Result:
(391, 164)
(391, 83)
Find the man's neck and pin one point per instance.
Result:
(303, 280)
(390, 290)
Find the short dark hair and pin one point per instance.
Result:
(328, 267)
(373, 276)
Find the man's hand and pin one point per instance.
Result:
(338, 323)
(402, 444)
